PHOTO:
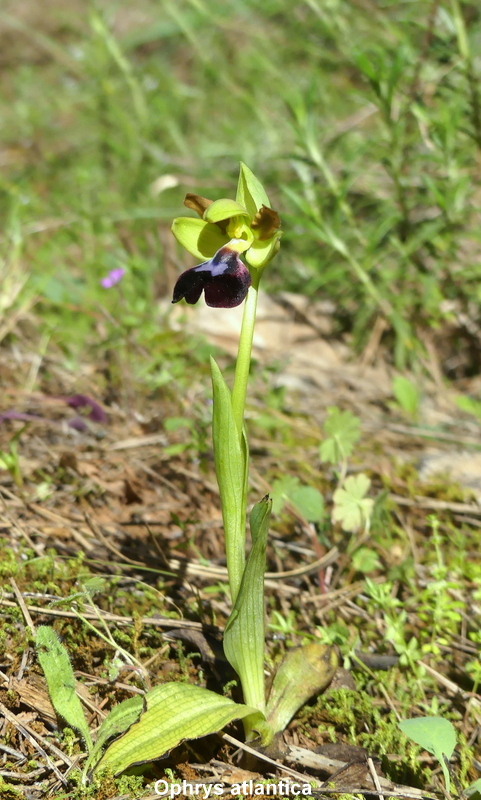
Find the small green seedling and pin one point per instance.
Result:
(306, 499)
(407, 396)
(436, 735)
(343, 432)
(10, 459)
(351, 506)
(469, 404)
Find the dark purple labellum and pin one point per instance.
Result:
(224, 279)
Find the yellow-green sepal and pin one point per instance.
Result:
(250, 192)
(201, 238)
(262, 251)
(223, 209)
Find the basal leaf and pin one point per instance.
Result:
(174, 712)
(61, 683)
(474, 790)
(304, 672)
(120, 718)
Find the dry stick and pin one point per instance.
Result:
(470, 697)
(374, 777)
(98, 533)
(436, 505)
(426, 433)
(162, 622)
(212, 570)
(253, 752)
(84, 543)
(311, 760)
(13, 522)
(32, 737)
(21, 603)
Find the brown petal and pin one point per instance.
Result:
(266, 222)
(197, 203)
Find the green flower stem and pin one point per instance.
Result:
(243, 362)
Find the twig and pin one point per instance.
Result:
(253, 752)
(374, 777)
(32, 737)
(22, 604)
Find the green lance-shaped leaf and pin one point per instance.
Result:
(436, 735)
(230, 454)
(244, 632)
(250, 191)
(122, 716)
(304, 672)
(58, 672)
(174, 712)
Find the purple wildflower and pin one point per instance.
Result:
(96, 414)
(114, 277)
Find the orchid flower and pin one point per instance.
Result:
(226, 229)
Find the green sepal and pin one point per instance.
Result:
(174, 712)
(263, 251)
(250, 191)
(202, 239)
(60, 678)
(244, 632)
(223, 209)
(121, 717)
(230, 456)
(305, 671)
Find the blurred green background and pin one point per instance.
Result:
(362, 119)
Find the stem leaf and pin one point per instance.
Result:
(231, 455)
(244, 632)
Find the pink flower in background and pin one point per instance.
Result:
(114, 277)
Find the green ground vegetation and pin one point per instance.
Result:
(363, 121)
